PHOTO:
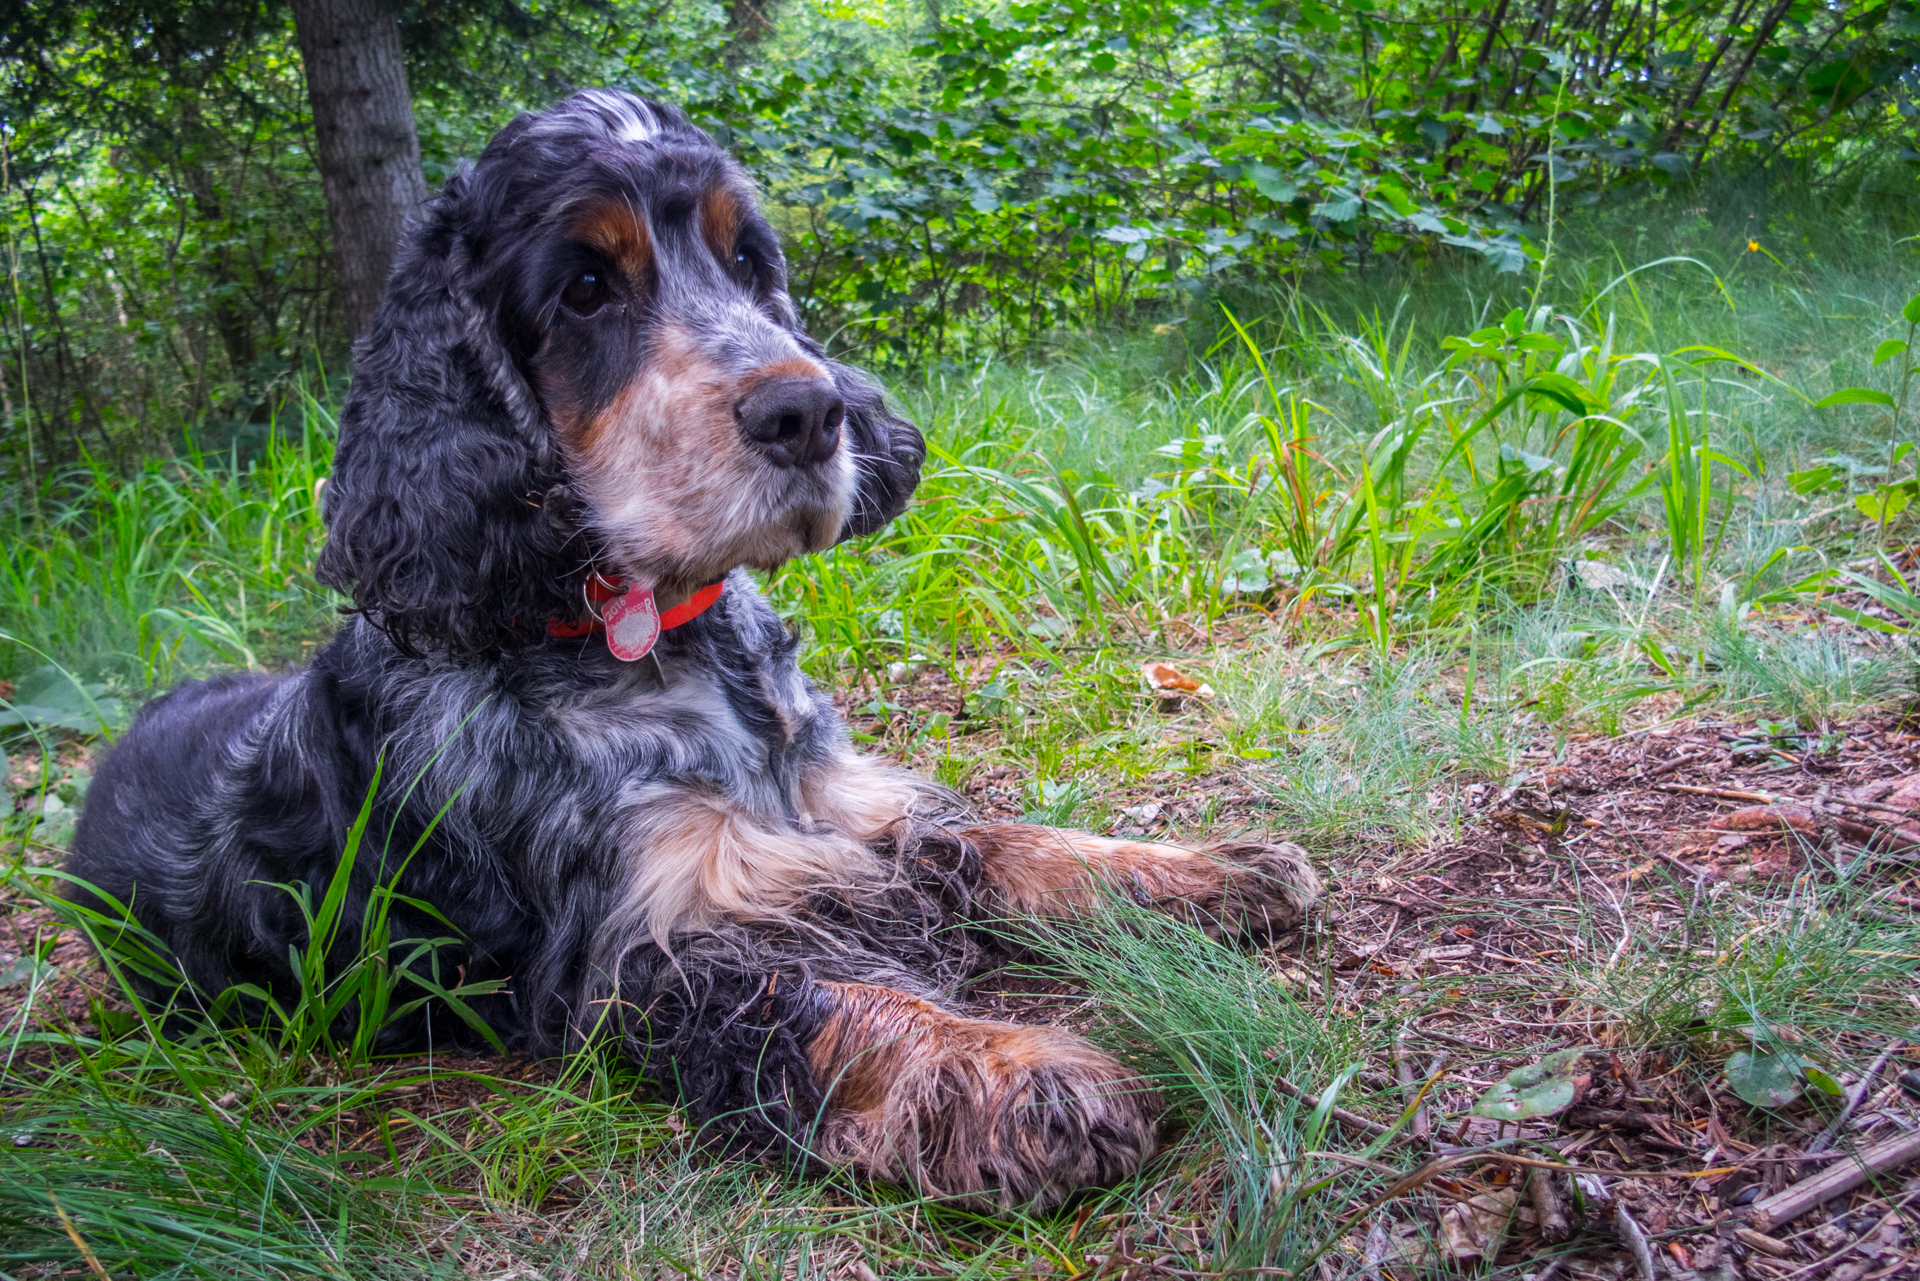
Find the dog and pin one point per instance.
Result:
(585, 409)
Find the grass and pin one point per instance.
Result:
(1366, 515)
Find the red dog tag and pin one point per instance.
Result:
(633, 623)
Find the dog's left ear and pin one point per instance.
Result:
(887, 453)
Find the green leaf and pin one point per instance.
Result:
(1815, 479)
(1269, 183)
(52, 698)
(1888, 350)
(1534, 463)
(1766, 1080)
(1552, 1085)
(1343, 210)
(1911, 312)
(1884, 503)
(1823, 1083)
(27, 969)
(1560, 389)
(1854, 396)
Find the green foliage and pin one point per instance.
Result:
(965, 179)
(187, 560)
(51, 698)
(1546, 1088)
(344, 1007)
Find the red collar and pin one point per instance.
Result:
(602, 588)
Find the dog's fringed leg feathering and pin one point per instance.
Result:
(970, 1108)
(1233, 889)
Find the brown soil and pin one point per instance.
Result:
(1629, 833)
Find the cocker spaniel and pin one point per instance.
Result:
(585, 408)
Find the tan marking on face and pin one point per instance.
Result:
(797, 368)
(696, 860)
(675, 485)
(720, 219)
(972, 1107)
(619, 231)
(1049, 871)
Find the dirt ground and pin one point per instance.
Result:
(1658, 1169)
(1627, 837)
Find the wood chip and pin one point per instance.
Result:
(1761, 1242)
(1549, 1211)
(1786, 1206)
(1905, 795)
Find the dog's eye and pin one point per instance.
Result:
(586, 293)
(742, 267)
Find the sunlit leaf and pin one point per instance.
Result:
(1854, 396)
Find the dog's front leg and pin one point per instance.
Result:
(1237, 888)
(971, 1108)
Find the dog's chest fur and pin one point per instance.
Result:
(625, 803)
(549, 760)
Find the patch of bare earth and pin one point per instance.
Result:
(1478, 953)
(1659, 1169)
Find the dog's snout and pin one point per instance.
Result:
(793, 420)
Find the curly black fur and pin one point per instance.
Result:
(528, 786)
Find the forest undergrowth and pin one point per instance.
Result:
(1563, 617)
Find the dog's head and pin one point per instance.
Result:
(587, 359)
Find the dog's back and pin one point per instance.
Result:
(150, 794)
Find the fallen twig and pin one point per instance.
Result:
(1448, 1038)
(1340, 1114)
(1762, 1242)
(1636, 1238)
(1855, 1097)
(1581, 1117)
(1684, 866)
(1548, 1209)
(1677, 762)
(1818, 1189)
(1728, 794)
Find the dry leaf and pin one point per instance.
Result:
(1473, 1229)
(1766, 818)
(1165, 678)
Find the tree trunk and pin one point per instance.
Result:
(368, 152)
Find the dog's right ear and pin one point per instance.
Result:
(448, 518)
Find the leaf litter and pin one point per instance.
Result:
(1570, 1128)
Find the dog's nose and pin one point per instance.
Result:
(794, 421)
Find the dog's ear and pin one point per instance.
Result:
(887, 453)
(448, 520)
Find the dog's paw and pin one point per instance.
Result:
(989, 1113)
(1264, 890)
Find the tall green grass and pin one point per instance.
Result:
(192, 562)
(1392, 448)
(1366, 513)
